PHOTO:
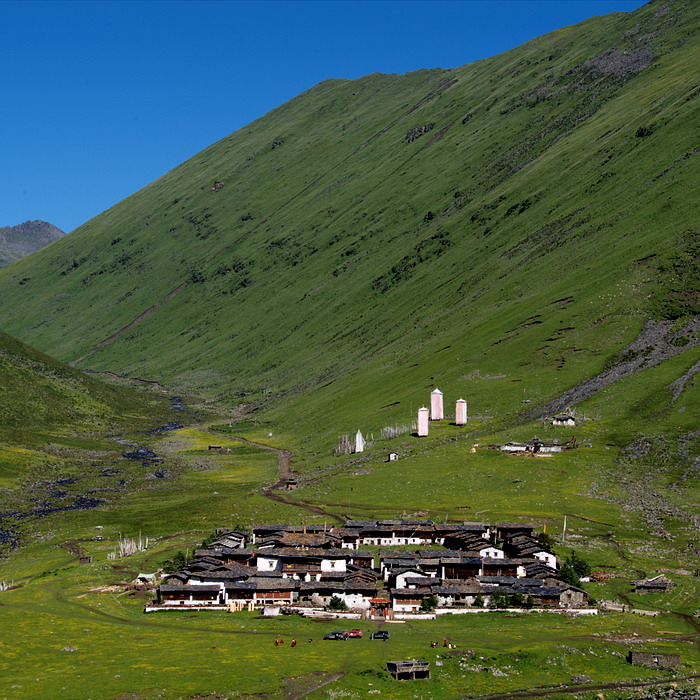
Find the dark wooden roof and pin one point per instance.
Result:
(166, 588)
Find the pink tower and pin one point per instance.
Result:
(436, 410)
(461, 412)
(422, 422)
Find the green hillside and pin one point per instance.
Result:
(41, 395)
(56, 425)
(342, 243)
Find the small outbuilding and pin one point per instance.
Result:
(658, 584)
(654, 659)
(393, 457)
(410, 670)
(564, 419)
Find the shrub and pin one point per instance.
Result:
(429, 604)
(337, 604)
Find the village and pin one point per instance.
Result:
(426, 568)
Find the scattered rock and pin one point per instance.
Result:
(417, 132)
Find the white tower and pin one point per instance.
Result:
(359, 442)
(461, 412)
(436, 410)
(422, 422)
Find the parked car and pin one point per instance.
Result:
(354, 634)
(380, 634)
(335, 635)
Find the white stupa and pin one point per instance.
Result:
(437, 412)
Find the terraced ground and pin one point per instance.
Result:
(521, 232)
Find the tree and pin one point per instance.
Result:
(499, 599)
(568, 574)
(429, 604)
(517, 600)
(208, 540)
(479, 601)
(337, 604)
(176, 563)
(579, 565)
(546, 540)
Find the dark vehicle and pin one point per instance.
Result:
(335, 635)
(354, 634)
(380, 634)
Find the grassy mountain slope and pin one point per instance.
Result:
(55, 423)
(337, 250)
(19, 241)
(41, 394)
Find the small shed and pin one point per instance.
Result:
(291, 484)
(654, 659)
(564, 419)
(410, 670)
(393, 457)
(658, 584)
(86, 559)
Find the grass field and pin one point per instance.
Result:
(182, 654)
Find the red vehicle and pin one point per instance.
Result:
(354, 634)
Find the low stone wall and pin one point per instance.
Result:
(560, 611)
(183, 608)
(325, 614)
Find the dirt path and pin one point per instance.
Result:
(284, 457)
(142, 621)
(689, 619)
(570, 690)
(121, 377)
(284, 468)
(123, 330)
(74, 548)
(302, 686)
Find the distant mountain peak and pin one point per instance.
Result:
(18, 241)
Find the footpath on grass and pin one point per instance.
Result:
(286, 473)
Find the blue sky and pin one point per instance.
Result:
(101, 98)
